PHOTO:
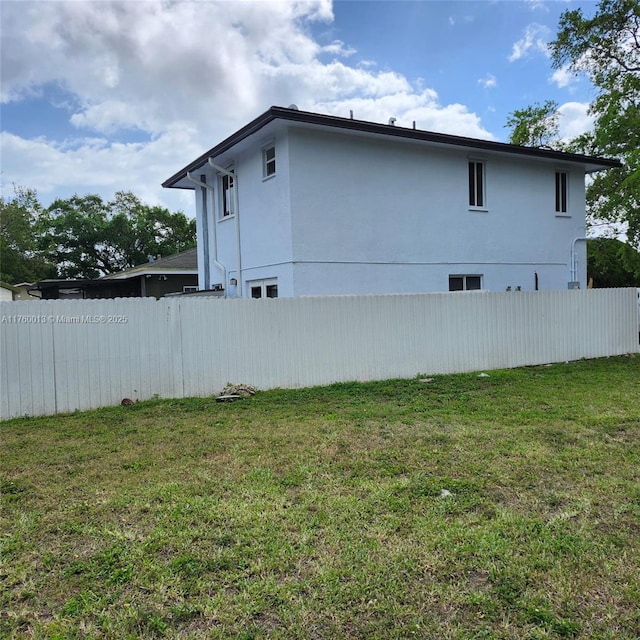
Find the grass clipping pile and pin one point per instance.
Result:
(236, 392)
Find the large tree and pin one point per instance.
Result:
(21, 258)
(612, 263)
(89, 237)
(605, 48)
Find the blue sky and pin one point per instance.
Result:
(105, 96)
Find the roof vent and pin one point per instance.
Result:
(294, 107)
(392, 121)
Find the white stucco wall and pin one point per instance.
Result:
(264, 220)
(265, 214)
(349, 214)
(392, 216)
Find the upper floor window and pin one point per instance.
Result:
(269, 161)
(465, 283)
(476, 184)
(227, 184)
(561, 192)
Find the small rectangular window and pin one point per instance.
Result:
(476, 183)
(189, 289)
(269, 162)
(561, 192)
(228, 202)
(473, 283)
(465, 283)
(263, 288)
(456, 283)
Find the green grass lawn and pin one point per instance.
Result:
(459, 506)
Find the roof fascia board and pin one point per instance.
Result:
(335, 122)
(241, 134)
(150, 271)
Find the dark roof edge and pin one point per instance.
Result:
(295, 115)
(241, 134)
(159, 264)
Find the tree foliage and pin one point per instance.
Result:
(89, 237)
(605, 48)
(85, 237)
(612, 263)
(21, 259)
(535, 126)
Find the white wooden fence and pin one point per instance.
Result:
(59, 356)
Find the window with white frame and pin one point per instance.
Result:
(227, 187)
(189, 289)
(561, 191)
(476, 184)
(263, 288)
(269, 161)
(465, 282)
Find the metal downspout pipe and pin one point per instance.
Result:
(207, 188)
(236, 209)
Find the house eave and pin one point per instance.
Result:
(9, 287)
(149, 271)
(590, 163)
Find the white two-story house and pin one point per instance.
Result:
(298, 203)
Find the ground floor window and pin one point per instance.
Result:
(465, 283)
(263, 288)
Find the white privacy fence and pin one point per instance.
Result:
(59, 356)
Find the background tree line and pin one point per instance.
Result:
(606, 49)
(84, 236)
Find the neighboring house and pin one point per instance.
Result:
(298, 203)
(8, 292)
(23, 292)
(156, 278)
(174, 274)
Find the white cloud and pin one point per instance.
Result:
(563, 77)
(94, 165)
(186, 74)
(168, 61)
(534, 41)
(488, 82)
(424, 108)
(113, 115)
(464, 19)
(338, 48)
(574, 119)
(536, 5)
